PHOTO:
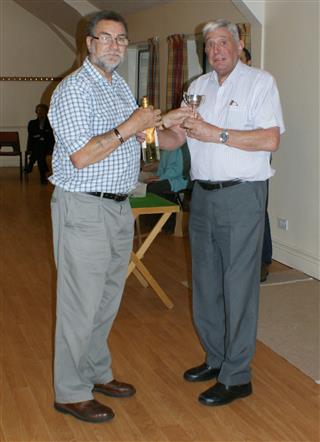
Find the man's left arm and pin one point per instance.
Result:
(249, 140)
(265, 116)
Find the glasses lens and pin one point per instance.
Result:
(122, 41)
(108, 39)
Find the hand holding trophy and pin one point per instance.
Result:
(193, 101)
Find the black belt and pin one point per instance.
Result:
(110, 196)
(214, 185)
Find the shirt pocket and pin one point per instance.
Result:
(237, 117)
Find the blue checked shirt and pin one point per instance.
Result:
(84, 105)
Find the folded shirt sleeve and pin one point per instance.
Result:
(70, 116)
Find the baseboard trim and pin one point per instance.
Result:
(296, 258)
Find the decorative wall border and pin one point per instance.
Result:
(25, 78)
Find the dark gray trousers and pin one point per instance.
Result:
(226, 233)
(92, 243)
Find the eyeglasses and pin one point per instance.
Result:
(107, 39)
(212, 45)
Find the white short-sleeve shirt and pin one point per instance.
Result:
(248, 99)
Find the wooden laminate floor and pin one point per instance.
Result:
(151, 348)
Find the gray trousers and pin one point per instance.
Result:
(92, 239)
(226, 233)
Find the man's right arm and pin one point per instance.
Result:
(101, 146)
(70, 116)
(173, 135)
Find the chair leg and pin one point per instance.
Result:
(21, 168)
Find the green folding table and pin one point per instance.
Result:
(147, 205)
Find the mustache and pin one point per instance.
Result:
(108, 67)
(118, 53)
(113, 52)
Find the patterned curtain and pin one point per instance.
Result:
(245, 34)
(153, 87)
(177, 74)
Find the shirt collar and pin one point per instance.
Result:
(233, 74)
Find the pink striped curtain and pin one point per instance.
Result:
(177, 74)
(153, 86)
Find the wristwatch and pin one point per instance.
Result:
(224, 136)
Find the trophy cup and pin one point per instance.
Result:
(193, 101)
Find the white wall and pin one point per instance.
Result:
(292, 56)
(28, 48)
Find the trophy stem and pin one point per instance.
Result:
(194, 108)
(193, 101)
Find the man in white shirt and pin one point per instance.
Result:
(238, 126)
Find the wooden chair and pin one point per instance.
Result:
(11, 139)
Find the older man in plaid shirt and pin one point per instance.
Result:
(95, 165)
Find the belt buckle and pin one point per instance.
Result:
(120, 198)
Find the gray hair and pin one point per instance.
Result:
(94, 18)
(222, 23)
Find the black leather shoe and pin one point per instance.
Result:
(221, 394)
(200, 373)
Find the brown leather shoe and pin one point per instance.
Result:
(89, 411)
(115, 389)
